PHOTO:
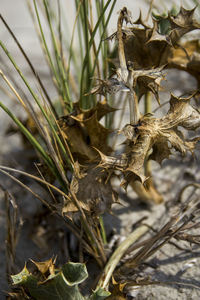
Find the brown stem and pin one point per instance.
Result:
(121, 53)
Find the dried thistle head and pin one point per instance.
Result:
(110, 86)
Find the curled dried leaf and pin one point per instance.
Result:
(83, 131)
(152, 47)
(157, 134)
(182, 23)
(148, 80)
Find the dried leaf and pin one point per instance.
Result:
(77, 140)
(117, 292)
(148, 80)
(140, 21)
(158, 134)
(97, 133)
(160, 150)
(98, 196)
(45, 266)
(102, 109)
(83, 131)
(187, 58)
(148, 48)
(157, 36)
(182, 23)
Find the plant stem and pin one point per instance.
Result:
(103, 232)
(148, 110)
(85, 62)
(148, 103)
(133, 100)
(121, 53)
(117, 255)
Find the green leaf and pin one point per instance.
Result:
(74, 273)
(21, 277)
(55, 287)
(60, 286)
(100, 294)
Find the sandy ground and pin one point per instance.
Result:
(179, 269)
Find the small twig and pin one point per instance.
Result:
(149, 247)
(194, 184)
(149, 282)
(49, 189)
(70, 225)
(14, 225)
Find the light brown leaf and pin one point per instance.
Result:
(83, 131)
(182, 23)
(148, 47)
(148, 80)
(158, 134)
(45, 266)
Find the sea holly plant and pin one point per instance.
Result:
(73, 143)
(144, 53)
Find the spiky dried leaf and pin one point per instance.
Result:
(159, 134)
(45, 266)
(182, 23)
(148, 80)
(83, 131)
(152, 47)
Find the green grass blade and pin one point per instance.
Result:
(79, 3)
(49, 121)
(61, 69)
(86, 35)
(71, 50)
(85, 62)
(101, 38)
(29, 63)
(47, 49)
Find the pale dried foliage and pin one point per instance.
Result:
(144, 52)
